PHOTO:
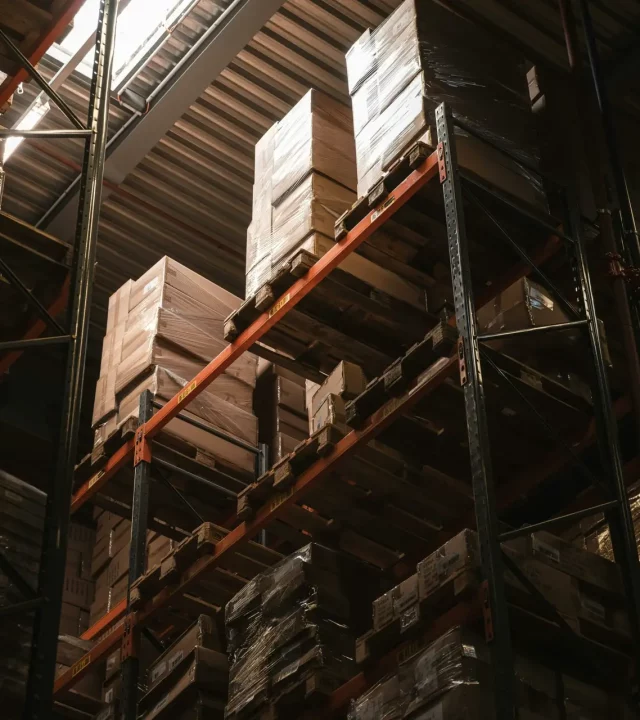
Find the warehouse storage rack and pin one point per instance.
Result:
(425, 167)
(72, 334)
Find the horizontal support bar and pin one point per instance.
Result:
(530, 331)
(45, 134)
(34, 342)
(571, 517)
(193, 476)
(213, 431)
(21, 607)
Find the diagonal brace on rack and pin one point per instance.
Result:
(16, 578)
(44, 85)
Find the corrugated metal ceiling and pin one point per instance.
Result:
(191, 196)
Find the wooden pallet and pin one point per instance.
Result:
(220, 585)
(344, 318)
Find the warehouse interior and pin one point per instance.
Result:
(319, 359)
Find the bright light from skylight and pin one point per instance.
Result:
(30, 120)
(140, 25)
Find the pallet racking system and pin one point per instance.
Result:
(420, 169)
(72, 333)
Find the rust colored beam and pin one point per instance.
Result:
(64, 17)
(106, 622)
(299, 290)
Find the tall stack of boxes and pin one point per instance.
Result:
(110, 560)
(290, 633)
(162, 330)
(451, 679)
(305, 179)
(422, 55)
(280, 407)
(22, 511)
(326, 403)
(78, 593)
(584, 589)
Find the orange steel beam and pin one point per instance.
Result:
(45, 41)
(105, 622)
(299, 290)
(438, 374)
(38, 327)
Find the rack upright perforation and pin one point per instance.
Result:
(468, 364)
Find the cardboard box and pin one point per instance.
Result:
(118, 306)
(395, 603)
(455, 557)
(78, 592)
(331, 412)
(118, 566)
(315, 135)
(313, 206)
(346, 381)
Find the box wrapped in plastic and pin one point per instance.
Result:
(167, 340)
(421, 56)
(208, 407)
(315, 135)
(291, 626)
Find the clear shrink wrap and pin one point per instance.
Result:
(315, 135)
(289, 624)
(165, 338)
(22, 511)
(421, 56)
(208, 407)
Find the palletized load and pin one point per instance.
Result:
(290, 632)
(451, 679)
(162, 330)
(305, 179)
(424, 54)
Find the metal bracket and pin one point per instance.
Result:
(462, 363)
(128, 649)
(487, 616)
(442, 165)
(142, 447)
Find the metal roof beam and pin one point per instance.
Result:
(219, 45)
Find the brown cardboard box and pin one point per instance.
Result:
(104, 405)
(118, 306)
(100, 556)
(332, 411)
(395, 603)
(289, 395)
(118, 591)
(568, 558)
(346, 381)
(455, 557)
(316, 135)
(73, 620)
(78, 592)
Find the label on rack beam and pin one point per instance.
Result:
(280, 304)
(378, 211)
(80, 665)
(187, 391)
(95, 478)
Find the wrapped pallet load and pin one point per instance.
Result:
(425, 54)
(162, 330)
(305, 179)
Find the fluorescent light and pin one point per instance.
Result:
(28, 122)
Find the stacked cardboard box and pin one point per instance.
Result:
(162, 330)
(325, 403)
(421, 56)
(22, 510)
(280, 407)
(190, 679)
(451, 679)
(290, 632)
(78, 593)
(584, 589)
(110, 560)
(305, 179)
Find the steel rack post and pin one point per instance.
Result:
(497, 624)
(619, 517)
(137, 555)
(42, 670)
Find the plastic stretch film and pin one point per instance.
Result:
(291, 627)
(421, 56)
(22, 510)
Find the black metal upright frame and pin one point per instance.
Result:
(47, 600)
(611, 483)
